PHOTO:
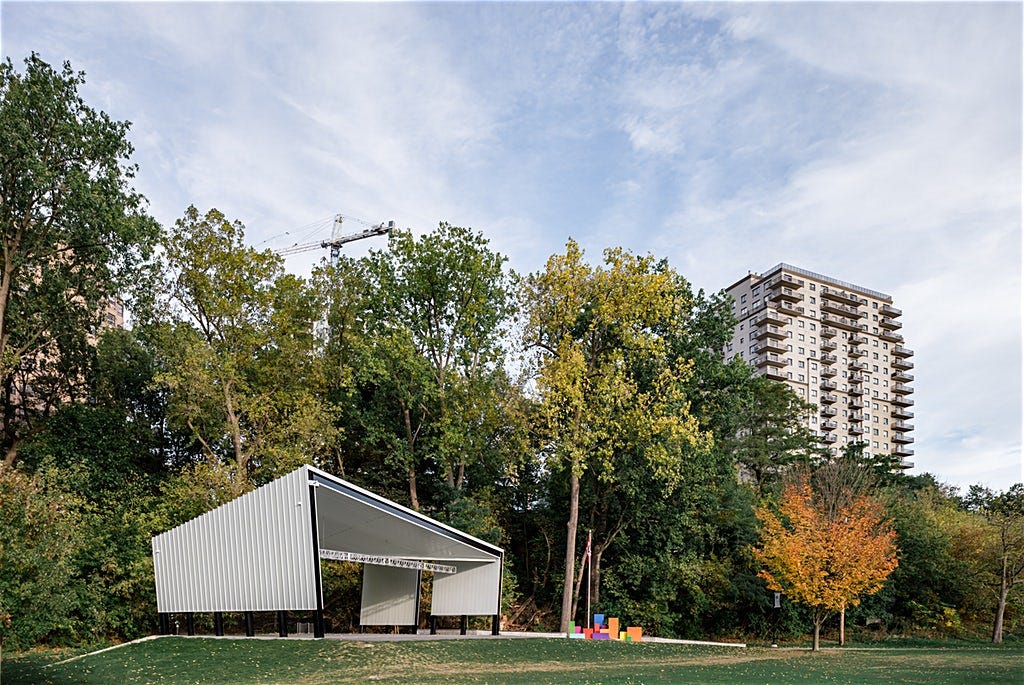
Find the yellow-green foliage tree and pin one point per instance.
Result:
(825, 562)
(604, 379)
(243, 369)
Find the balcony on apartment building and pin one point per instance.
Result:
(902, 352)
(856, 430)
(856, 417)
(902, 388)
(889, 310)
(791, 309)
(828, 398)
(769, 331)
(786, 279)
(856, 390)
(828, 411)
(890, 323)
(829, 438)
(829, 425)
(902, 426)
(828, 332)
(902, 364)
(763, 360)
(902, 401)
(901, 413)
(841, 309)
(855, 365)
(903, 439)
(858, 340)
(903, 452)
(859, 378)
(774, 374)
(828, 372)
(842, 322)
(857, 352)
(828, 385)
(890, 336)
(828, 345)
(770, 316)
(857, 403)
(829, 359)
(779, 293)
(839, 295)
(903, 377)
(770, 345)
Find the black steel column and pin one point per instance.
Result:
(318, 620)
(318, 623)
(190, 623)
(463, 624)
(433, 624)
(165, 624)
(419, 585)
(282, 623)
(249, 628)
(496, 621)
(218, 623)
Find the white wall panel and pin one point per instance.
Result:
(254, 553)
(390, 596)
(472, 591)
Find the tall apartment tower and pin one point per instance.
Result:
(838, 346)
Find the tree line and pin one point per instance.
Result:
(586, 399)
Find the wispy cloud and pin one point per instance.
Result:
(879, 143)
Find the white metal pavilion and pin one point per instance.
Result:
(262, 552)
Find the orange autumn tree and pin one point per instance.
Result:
(825, 562)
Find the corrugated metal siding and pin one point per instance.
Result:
(389, 596)
(472, 591)
(254, 553)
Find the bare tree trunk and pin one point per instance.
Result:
(595, 574)
(11, 455)
(577, 586)
(1004, 590)
(570, 551)
(234, 426)
(819, 618)
(413, 496)
(410, 439)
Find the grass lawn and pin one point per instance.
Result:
(304, 662)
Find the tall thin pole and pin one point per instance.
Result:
(589, 567)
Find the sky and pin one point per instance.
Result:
(879, 144)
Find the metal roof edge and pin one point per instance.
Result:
(410, 515)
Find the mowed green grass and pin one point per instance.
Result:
(506, 660)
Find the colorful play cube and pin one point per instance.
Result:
(613, 628)
(599, 620)
(635, 633)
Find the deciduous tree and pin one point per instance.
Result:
(1002, 550)
(72, 235)
(605, 382)
(435, 311)
(242, 363)
(825, 562)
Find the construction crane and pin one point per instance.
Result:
(337, 240)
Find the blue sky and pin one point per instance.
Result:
(876, 143)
